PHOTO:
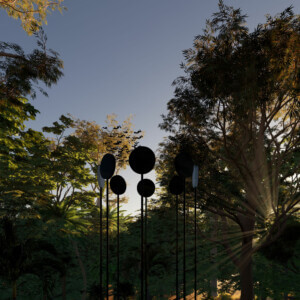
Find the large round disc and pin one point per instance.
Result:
(176, 185)
(184, 165)
(118, 185)
(146, 188)
(142, 160)
(107, 166)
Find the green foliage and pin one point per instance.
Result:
(31, 13)
(236, 111)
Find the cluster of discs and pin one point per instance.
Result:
(185, 168)
(142, 161)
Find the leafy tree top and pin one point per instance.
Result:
(31, 13)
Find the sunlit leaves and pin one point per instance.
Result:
(31, 13)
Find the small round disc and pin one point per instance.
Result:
(176, 185)
(107, 166)
(118, 185)
(184, 165)
(146, 188)
(142, 160)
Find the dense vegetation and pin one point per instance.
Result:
(236, 112)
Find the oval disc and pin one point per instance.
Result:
(184, 165)
(146, 188)
(142, 160)
(107, 166)
(101, 181)
(176, 185)
(118, 185)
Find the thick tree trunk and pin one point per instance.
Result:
(246, 281)
(245, 268)
(14, 290)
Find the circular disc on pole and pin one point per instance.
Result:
(176, 185)
(142, 160)
(184, 165)
(146, 188)
(107, 166)
(118, 185)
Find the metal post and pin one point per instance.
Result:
(107, 246)
(184, 263)
(195, 245)
(118, 248)
(101, 230)
(146, 262)
(142, 246)
(177, 287)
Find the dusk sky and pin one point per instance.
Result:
(121, 56)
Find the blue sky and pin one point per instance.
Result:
(121, 56)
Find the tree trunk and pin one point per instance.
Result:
(82, 269)
(14, 290)
(245, 268)
(63, 287)
(246, 281)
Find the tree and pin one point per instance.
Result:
(239, 105)
(22, 152)
(117, 139)
(24, 183)
(25, 254)
(32, 13)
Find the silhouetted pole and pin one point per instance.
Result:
(184, 263)
(142, 245)
(101, 255)
(142, 161)
(118, 186)
(107, 169)
(118, 248)
(177, 281)
(146, 189)
(184, 168)
(146, 267)
(195, 245)
(176, 186)
(101, 183)
(107, 240)
(195, 184)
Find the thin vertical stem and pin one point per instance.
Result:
(142, 246)
(146, 262)
(118, 248)
(184, 263)
(101, 230)
(177, 287)
(107, 246)
(195, 245)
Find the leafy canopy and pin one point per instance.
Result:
(31, 13)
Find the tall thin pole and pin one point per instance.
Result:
(177, 287)
(107, 228)
(118, 248)
(195, 245)
(146, 262)
(142, 246)
(101, 230)
(184, 264)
